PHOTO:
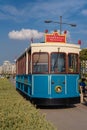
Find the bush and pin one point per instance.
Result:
(18, 114)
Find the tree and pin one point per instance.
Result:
(83, 54)
(83, 59)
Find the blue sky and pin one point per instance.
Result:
(20, 20)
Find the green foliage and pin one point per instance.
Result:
(18, 114)
(83, 54)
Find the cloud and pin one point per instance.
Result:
(84, 12)
(25, 34)
(39, 9)
(68, 37)
(28, 34)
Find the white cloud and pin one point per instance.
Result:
(44, 9)
(28, 34)
(25, 34)
(68, 36)
(84, 12)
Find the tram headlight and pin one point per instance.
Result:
(58, 89)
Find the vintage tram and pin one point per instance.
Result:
(48, 73)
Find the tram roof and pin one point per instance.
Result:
(48, 46)
(64, 47)
(55, 44)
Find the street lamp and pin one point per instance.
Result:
(50, 21)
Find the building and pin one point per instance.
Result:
(8, 68)
(0, 70)
(13, 70)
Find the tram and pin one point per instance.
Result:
(48, 73)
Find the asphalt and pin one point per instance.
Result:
(68, 118)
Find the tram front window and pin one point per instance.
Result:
(72, 63)
(58, 62)
(40, 62)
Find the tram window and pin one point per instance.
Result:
(72, 63)
(29, 63)
(58, 62)
(40, 62)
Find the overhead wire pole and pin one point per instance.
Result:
(60, 22)
(60, 25)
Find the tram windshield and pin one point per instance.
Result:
(58, 62)
(73, 63)
(40, 62)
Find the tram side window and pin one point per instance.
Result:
(29, 63)
(40, 62)
(72, 63)
(58, 62)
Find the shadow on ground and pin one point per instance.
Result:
(56, 107)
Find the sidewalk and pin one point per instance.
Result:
(83, 99)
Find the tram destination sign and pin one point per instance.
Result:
(55, 37)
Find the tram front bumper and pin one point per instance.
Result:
(55, 101)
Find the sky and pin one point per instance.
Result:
(22, 20)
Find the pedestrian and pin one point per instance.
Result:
(83, 86)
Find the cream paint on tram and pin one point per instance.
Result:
(55, 47)
(52, 47)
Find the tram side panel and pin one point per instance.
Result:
(49, 89)
(55, 89)
(72, 85)
(23, 80)
(24, 85)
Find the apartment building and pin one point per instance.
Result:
(8, 68)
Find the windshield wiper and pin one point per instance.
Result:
(36, 66)
(56, 60)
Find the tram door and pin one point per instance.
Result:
(58, 66)
(58, 85)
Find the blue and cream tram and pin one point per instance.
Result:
(48, 73)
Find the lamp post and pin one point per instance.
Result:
(60, 22)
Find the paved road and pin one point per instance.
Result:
(72, 118)
(12, 80)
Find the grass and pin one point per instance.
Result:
(16, 113)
